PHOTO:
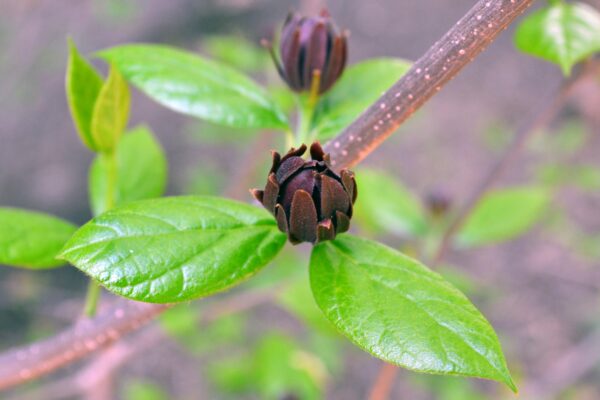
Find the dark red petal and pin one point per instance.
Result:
(290, 58)
(349, 183)
(316, 54)
(294, 152)
(344, 54)
(288, 168)
(333, 197)
(276, 161)
(325, 231)
(343, 222)
(303, 217)
(282, 223)
(335, 64)
(271, 193)
(316, 151)
(289, 26)
(304, 180)
(257, 194)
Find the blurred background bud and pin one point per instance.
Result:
(312, 52)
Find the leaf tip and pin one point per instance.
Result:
(508, 381)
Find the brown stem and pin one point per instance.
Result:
(85, 337)
(539, 120)
(442, 62)
(577, 362)
(384, 382)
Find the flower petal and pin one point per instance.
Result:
(325, 231)
(288, 168)
(333, 197)
(343, 222)
(349, 183)
(276, 161)
(303, 218)
(316, 151)
(258, 194)
(295, 152)
(282, 223)
(271, 193)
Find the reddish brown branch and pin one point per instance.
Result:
(442, 62)
(384, 382)
(539, 120)
(85, 337)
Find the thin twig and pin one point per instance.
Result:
(540, 120)
(442, 62)
(567, 369)
(384, 382)
(98, 373)
(85, 337)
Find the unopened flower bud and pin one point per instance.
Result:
(311, 48)
(309, 200)
(438, 203)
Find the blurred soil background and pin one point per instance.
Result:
(540, 291)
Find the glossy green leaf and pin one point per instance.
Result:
(562, 33)
(141, 171)
(502, 215)
(192, 85)
(176, 248)
(83, 85)
(385, 204)
(111, 111)
(360, 85)
(398, 310)
(31, 239)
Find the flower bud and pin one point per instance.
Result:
(311, 48)
(309, 200)
(438, 203)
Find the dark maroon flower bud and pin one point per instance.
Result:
(309, 200)
(311, 48)
(438, 203)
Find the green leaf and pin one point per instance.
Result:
(144, 390)
(141, 171)
(398, 310)
(282, 368)
(83, 85)
(192, 85)
(562, 33)
(360, 85)
(176, 248)
(111, 111)
(30, 239)
(503, 215)
(385, 204)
